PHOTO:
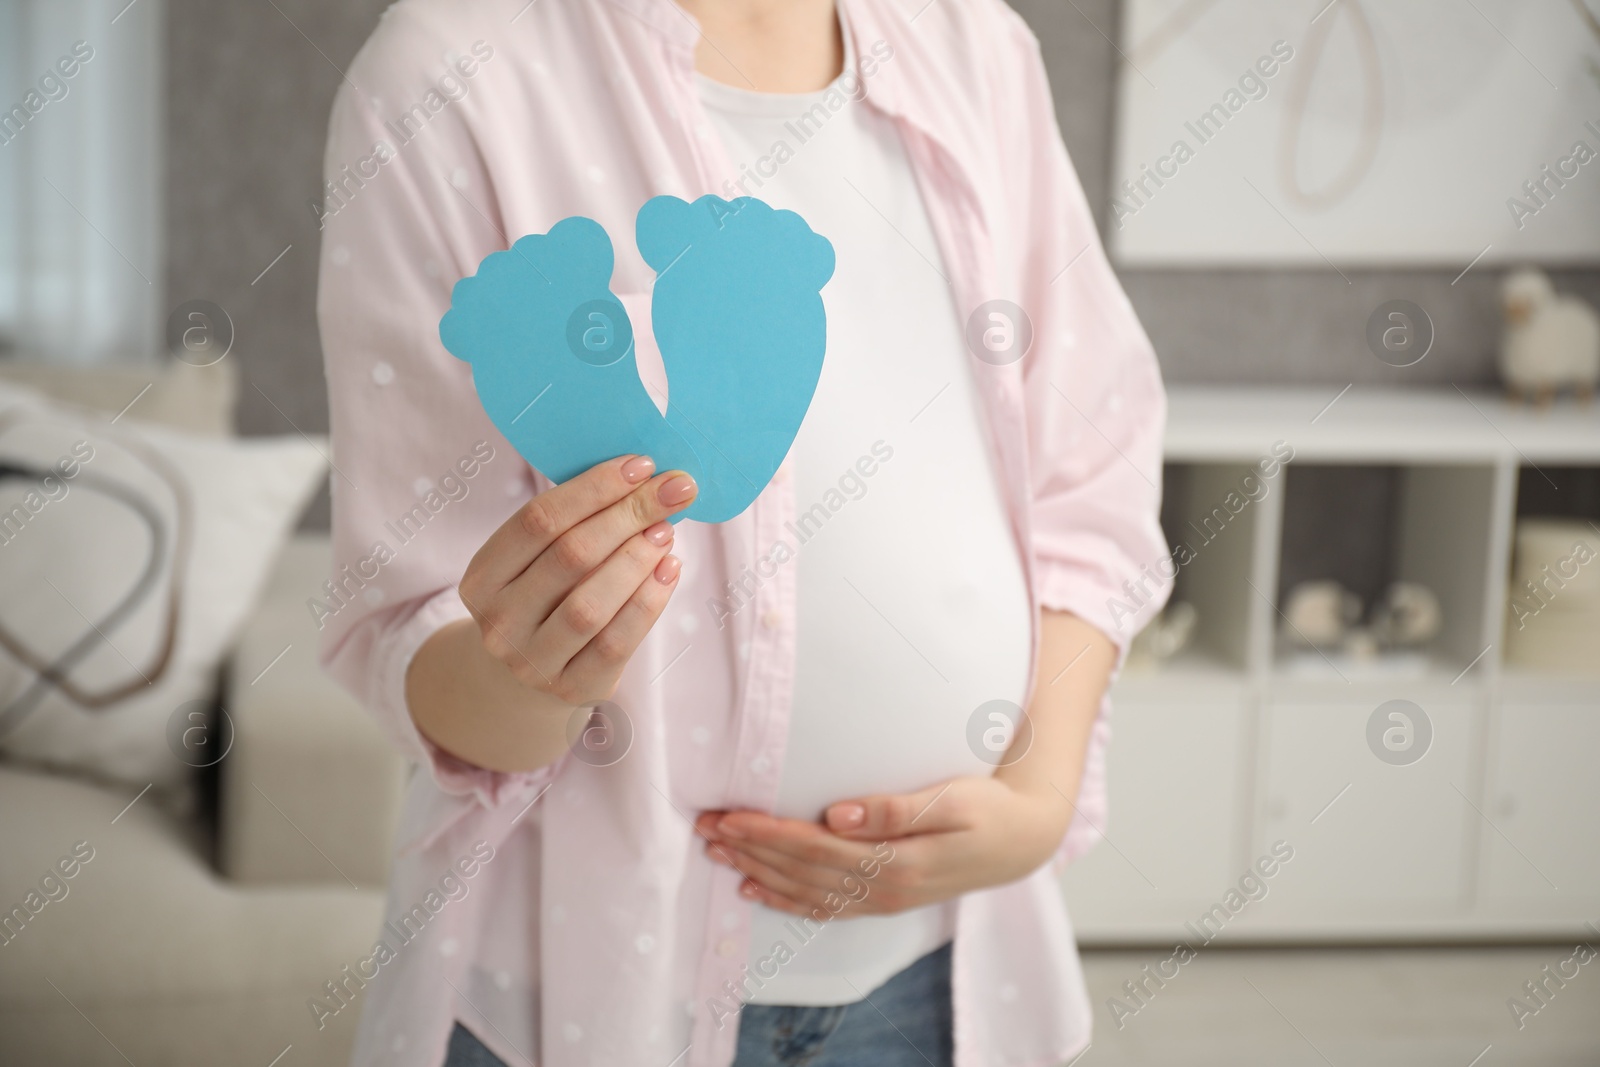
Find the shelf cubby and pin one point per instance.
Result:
(1212, 523)
(1550, 624)
(1368, 525)
(1232, 745)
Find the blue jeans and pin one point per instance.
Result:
(905, 1023)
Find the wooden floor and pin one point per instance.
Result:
(1347, 1008)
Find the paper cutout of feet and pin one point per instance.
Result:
(738, 316)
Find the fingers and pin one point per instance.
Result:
(603, 656)
(538, 653)
(589, 607)
(752, 890)
(787, 863)
(804, 841)
(819, 877)
(593, 540)
(933, 810)
(782, 892)
(537, 524)
(779, 882)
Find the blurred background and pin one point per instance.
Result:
(1356, 816)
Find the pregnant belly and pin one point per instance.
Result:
(890, 670)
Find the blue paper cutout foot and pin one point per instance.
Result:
(738, 316)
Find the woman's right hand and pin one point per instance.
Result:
(566, 589)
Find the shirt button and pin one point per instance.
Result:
(772, 619)
(761, 765)
(781, 475)
(727, 946)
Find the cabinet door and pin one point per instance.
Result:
(1542, 853)
(1377, 830)
(1174, 779)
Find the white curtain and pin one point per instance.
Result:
(81, 272)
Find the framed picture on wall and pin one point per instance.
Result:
(1351, 132)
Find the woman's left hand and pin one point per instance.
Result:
(885, 854)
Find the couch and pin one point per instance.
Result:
(198, 939)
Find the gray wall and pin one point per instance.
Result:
(250, 93)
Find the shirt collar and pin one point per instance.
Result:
(682, 29)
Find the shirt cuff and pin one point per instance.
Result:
(1063, 587)
(1116, 612)
(452, 775)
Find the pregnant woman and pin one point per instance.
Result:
(760, 792)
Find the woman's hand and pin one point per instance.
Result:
(885, 854)
(561, 595)
(566, 589)
(932, 845)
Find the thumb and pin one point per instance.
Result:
(879, 818)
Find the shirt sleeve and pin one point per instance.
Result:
(1095, 412)
(1096, 408)
(421, 476)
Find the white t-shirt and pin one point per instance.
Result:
(913, 609)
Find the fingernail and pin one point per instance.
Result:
(659, 534)
(847, 816)
(667, 569)
(748, 890)
(638, 469)
(727, 829)
(675, 491)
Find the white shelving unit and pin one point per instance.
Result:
(1494, 833)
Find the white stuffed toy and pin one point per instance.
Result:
(1319, 614)
(1408, 616)
(1550, 342)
